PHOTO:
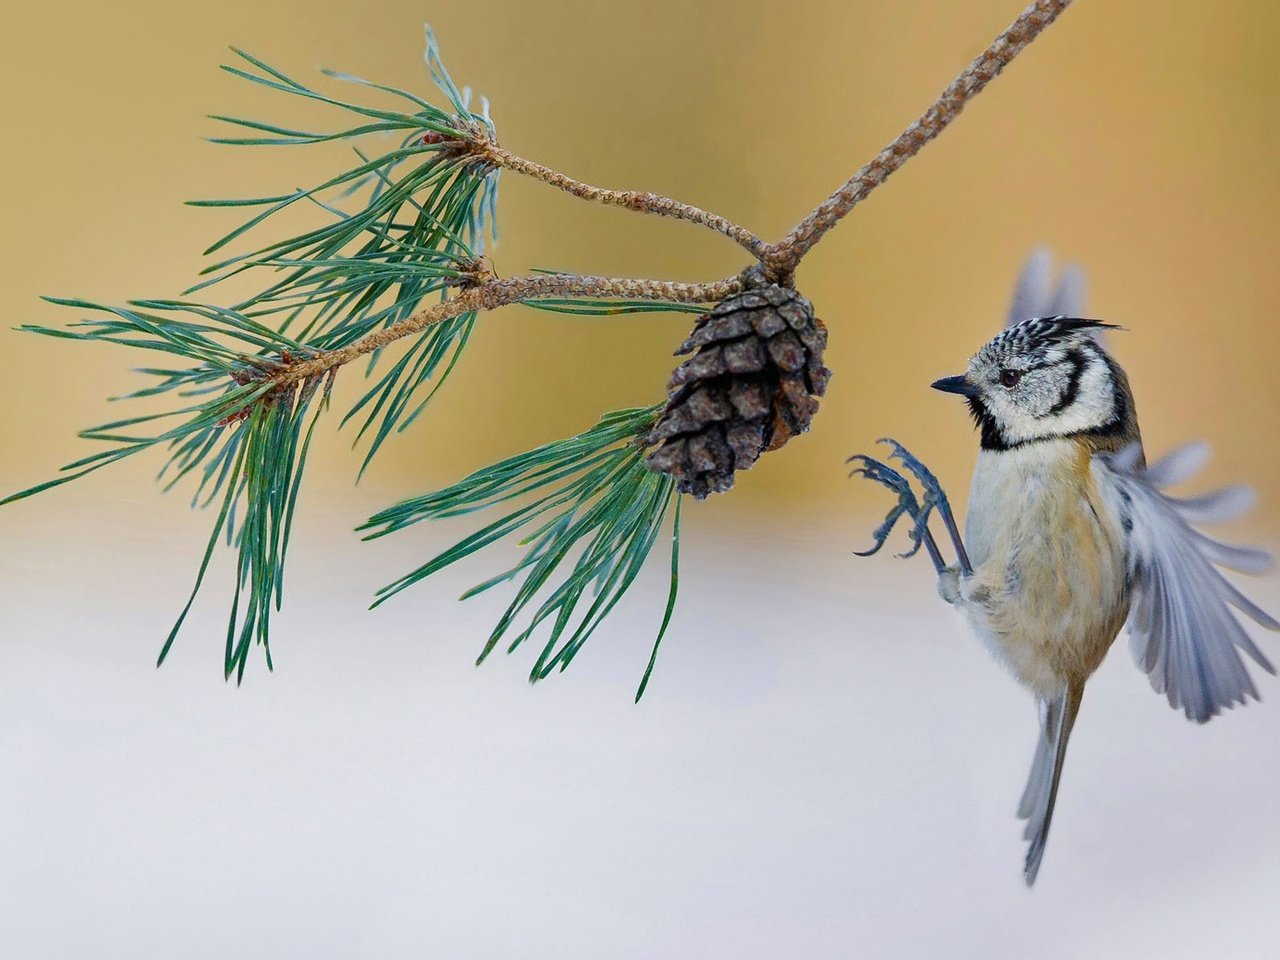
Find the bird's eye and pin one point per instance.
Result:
(1010, 378)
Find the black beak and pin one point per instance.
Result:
(956, 385)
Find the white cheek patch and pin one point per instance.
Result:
(1094, 406)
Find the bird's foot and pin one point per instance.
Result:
(907, 504)
(935, 498)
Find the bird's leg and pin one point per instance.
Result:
(907, 505)
(934, 498)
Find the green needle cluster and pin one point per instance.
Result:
(590, 513)
(396, 230)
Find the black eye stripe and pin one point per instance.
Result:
(1078, 363)
(1045, 365)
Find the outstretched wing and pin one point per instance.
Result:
(1182, 631)
(1034, 294)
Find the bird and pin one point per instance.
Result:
(1070, 536)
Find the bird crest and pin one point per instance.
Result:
(1036, 337)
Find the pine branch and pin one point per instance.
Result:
(397, 263)
(493, 293)
(783, 257)
(638, 200)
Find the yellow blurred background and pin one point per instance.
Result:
(1138, 143)
(824, 762)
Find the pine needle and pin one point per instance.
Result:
(589, 515)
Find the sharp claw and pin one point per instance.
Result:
(886, 476)
(865, 469)
(880, 472)
(918, 529)
(916, 540)
(881, 533)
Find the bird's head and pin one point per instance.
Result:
(1044, 378)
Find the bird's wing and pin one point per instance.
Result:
(1034, 294)
(1182, 632)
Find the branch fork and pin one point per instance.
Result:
(359, 282)
(773, 262)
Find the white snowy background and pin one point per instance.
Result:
(825, 765)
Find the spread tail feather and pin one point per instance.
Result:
(1036, 807)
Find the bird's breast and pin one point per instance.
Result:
(1049, 589)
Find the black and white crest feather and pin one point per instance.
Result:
(1037, 337)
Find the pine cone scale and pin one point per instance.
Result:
(788, 352)
(750, 399)
(744, 356)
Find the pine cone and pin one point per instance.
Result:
(751, 386)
